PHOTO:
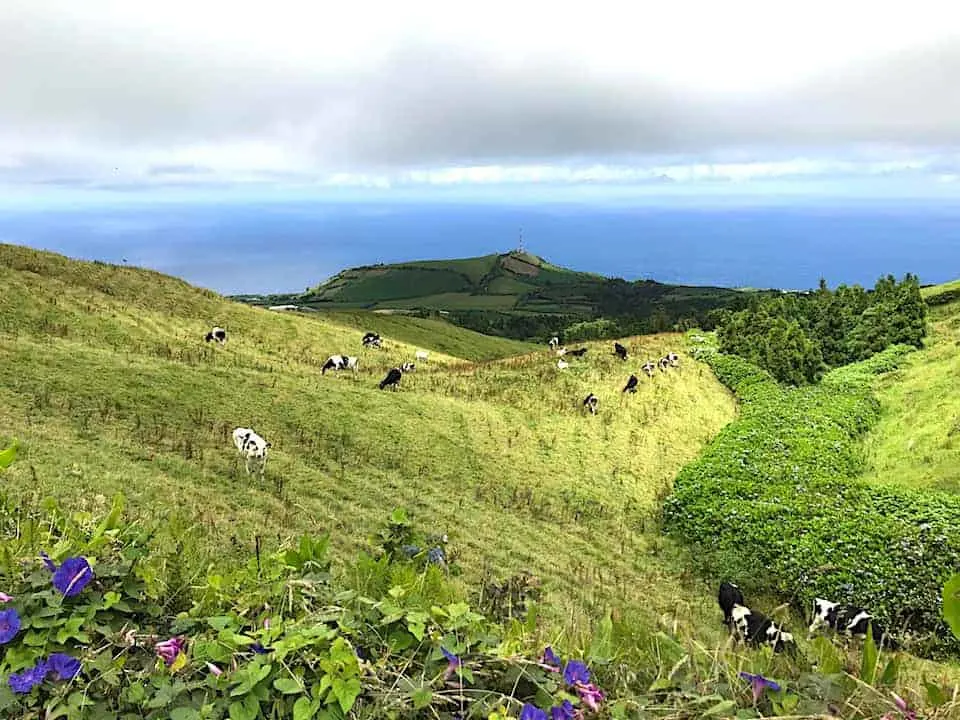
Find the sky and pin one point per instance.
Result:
(113, 99)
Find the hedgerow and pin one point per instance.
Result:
(775, 504)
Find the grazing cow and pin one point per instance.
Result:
(371, 340)
(408, 367)
(756, 628)
(648, 367)
(554, 343)
(620, 351)
(673, 359)
(421, 355)
(728, 597)
(590, 402)
(848, 620)
(218, 334)
(663, 364)
(631, 385)
(392, 378)
(562, 364)
(562, 351)
(252, 447)
(579, 352)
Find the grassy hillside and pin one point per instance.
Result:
(107, 383)
(917, 441)
(515, 294)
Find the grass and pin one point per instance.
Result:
(107, 384)
(917, 441)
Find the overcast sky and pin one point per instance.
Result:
(199, 93)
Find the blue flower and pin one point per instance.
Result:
(48, 562)
(563, 712)
(72, 576)
(576, 672)
(532, 712)
(759, 684)
(9, 625)
(22, 683)
(453, 662)
(64, 666)
(260, 649)
(550, 657)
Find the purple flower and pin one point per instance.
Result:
(64, 666)
(9, 625)
(48, 562)
(453, 663)
(22, 683)
(576, 672)
(903, 707)
(169, 649)
(72, 576)
(563, 712)
(550, 659)
(214, 669)
(5, 598)
(259, 649)
(759, 683)
(590, 695)
(532, 712)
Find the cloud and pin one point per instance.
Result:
(372, 94)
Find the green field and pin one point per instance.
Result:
(917, 441)
(106, 381)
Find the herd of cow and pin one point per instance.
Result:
(752, 626)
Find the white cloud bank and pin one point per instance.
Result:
(120, 94)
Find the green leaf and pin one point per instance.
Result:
(288, 685)
(726, 707)
(936, 695)
(891, 672)
(346, 692)
(246, 709)
(421, 697)
(7, 456)
(868, 665)
(305, 708)
(184, 713)
(951, 604)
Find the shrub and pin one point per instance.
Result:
(774, 502)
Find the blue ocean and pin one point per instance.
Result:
(274, 247)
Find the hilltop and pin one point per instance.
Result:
(106, 381)
(516, 294)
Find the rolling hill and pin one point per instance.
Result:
(107, 383)
(515, 294)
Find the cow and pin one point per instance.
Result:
(408, 367)
(673, 359)
(340, 362)
(663, 364)
(620, 351)
(848, 620)
(561, 351)
(579, 352)
(421, 355)
(756, 628)
(631, 385)
(554, 343)
(590, 402)
(392, 378)
(217, 334)
(648, 367)
(728, 597)
(371, 339)
(562, 364)
(252, 447)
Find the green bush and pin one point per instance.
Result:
(774, 503)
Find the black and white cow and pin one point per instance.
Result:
(648, 367)
(408, 367)
(340, 362)
(590, 402)
(421, 355)
(673, 359)
(251, 447)
(579, 352)
(217, 334)
(848, 620)
(757, 629)
(371, 340)
(631, 385)
(728, 597)
(554, 343)
(620, 351)
(663, 364)
(392, 379)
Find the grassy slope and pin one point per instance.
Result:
(106, 382)
(917, 441)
